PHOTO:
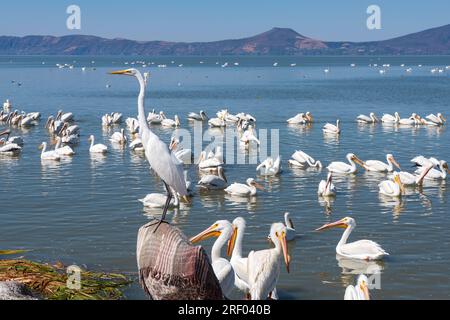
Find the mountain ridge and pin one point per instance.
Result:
(276, 41)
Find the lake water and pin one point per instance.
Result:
(85, 211)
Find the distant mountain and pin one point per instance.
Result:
(278, 41)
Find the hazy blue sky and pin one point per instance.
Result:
(204, 20)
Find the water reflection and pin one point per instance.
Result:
(357, 266)
(327, 204)
(396, 205)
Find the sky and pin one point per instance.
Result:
(208, 20)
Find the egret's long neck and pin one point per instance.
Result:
(237, 251)
(345, 236)
(141, 98)
(217, 247)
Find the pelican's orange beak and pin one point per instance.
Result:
(258, 186)
(359, 161)
(232, 242)
(287, 258)
(400, 184)
(395, 163)
(338, 224)
(208, 233)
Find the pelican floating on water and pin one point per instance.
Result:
(290, 228)
(392, 188)
(197, 117)
(344, 168)
(238, 189)
(392, 119)
(223, 268)
(362, 249)
(96, 148)
(332, 129)
(48, 155)
(435, 174)
(437, 119)
(378, 166)
(119, 137)
(326, 187)
(158, 200)
(409, 179)
(270, 167)
(372, 118)
(213, 182)
(63, 151)
(169, 123)
(303, 160)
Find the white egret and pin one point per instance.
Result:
(223, 269)
(378, 166)
(264, 266)
(362, 249)
(162, 161)
(344, 168)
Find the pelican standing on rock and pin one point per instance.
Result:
(162, 161)
(223, 269)
(362, 249)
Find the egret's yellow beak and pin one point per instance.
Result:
(122, 72)
(208, 233)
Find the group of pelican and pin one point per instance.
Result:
(413, 120)
(255, 275)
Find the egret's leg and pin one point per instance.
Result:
(166, 206)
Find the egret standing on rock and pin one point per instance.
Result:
(162, 161)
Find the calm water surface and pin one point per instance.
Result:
(85, 211)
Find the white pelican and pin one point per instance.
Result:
(217, 123)
(213, 182)
(239, 262)
(332, 129)
(54, 126)
(48, 155)
(71, 138)
(208, 163)
(344, 168)
(116, 117)
(269, 167)
(435, 174)
(298, 119)
(198, 117)
(223, 269)
(10, 149)
(409, 179)
(238, 189)
(388, 118)
(303, 160)
(64, 117)
(392, 188)
(183, 155)
(12, 140)
(70, 130)
(119, 137)
(326, 187)
(96, 148)
(107, 120)
(308, 117)
(132, 125)
(7, 105)
(421, 161)
(136, 145)
(155, 118)
(358, 292)
(437, 119)
(372, 118)
(63, 151)
(378, 166)
(290, 228)
(169, 123)
(249, 136)
(412, 120)
(362, 249)
(158, 200)
(264, 266)
(162, 161)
